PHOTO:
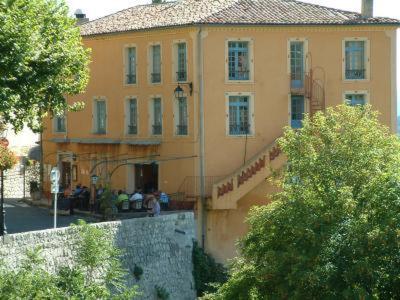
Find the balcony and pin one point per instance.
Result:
(132, 129)
(239, 75)
(131, 78)
(355, 74)
(181, 129)
(181, 76)
(155, 77)
(157, 129)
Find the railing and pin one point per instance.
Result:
(231, 188)
(355, 74)
(132, 129)
(312, 89)
(157, 129)
(181, 129)
(181, 76)
(239, 129)
(239, 75)
(190, 186)
(131, 78)
(155, 77)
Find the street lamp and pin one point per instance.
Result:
(179, 92)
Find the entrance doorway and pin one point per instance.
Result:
(146, 177)
(65, 174)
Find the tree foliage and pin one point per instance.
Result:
(96, 273)
(333, 231)
(7, 158)
(42, 60)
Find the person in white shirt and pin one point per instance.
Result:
(137, 200)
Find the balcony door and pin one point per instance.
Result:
(297, 64)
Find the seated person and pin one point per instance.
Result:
(164, 200)
(78, 190)
(154, 211)
(122, 197)
(137, 200)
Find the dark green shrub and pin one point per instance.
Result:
(206, 271)
(137, 272)
(33, 186)
(162, 293)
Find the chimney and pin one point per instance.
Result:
(367, 9)
(80, 17)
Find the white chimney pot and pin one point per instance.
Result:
(367, 9)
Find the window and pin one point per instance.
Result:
(181, 72)
(355, 99)
(130, 65)
(297, 64)
(100, 120)
(297, 110)
(238, 60)
(156, 117)
(182, 116)
(60, 124)
(239, 115)
(132, 116)
(155, 54)
(356, 59)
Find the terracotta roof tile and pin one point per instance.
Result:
(244, 12)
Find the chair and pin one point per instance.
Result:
(125, 206)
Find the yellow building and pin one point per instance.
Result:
(188, 97)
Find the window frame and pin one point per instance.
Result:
(305, 49)
(251, 114)
(175, 63)
(54, 124)
(126, 62)
(94, 116)
(367, 58)
(306, 108)
(127, 115)
(356, 92)
(151, 63)
(151, 115)
(250, 55)
(176, 116)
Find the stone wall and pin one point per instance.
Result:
(161, 246)
(18, 178)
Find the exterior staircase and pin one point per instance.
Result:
(227, 191)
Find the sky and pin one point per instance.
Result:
(382, 8)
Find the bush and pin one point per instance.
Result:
(137, 272)
(207, 272)
(161, 292)
(95, 274)
(33, 186)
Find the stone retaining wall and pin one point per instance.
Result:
(161, 246)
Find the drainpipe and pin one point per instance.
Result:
(201, 137)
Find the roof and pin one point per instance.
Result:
(229, 12)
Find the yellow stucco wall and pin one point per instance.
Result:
(223, 154)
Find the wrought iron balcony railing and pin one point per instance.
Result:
(181, 129)
(181, 76)
(157, 129)
(155, 77)
(239, 129)
(239, 75)
(131, 78)
(132, 129)
(355, 74)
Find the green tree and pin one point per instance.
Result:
(42, 61)
(333, 232)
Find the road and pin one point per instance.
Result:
(20, 217)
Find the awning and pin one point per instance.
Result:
(107, 141)
(34, 153)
